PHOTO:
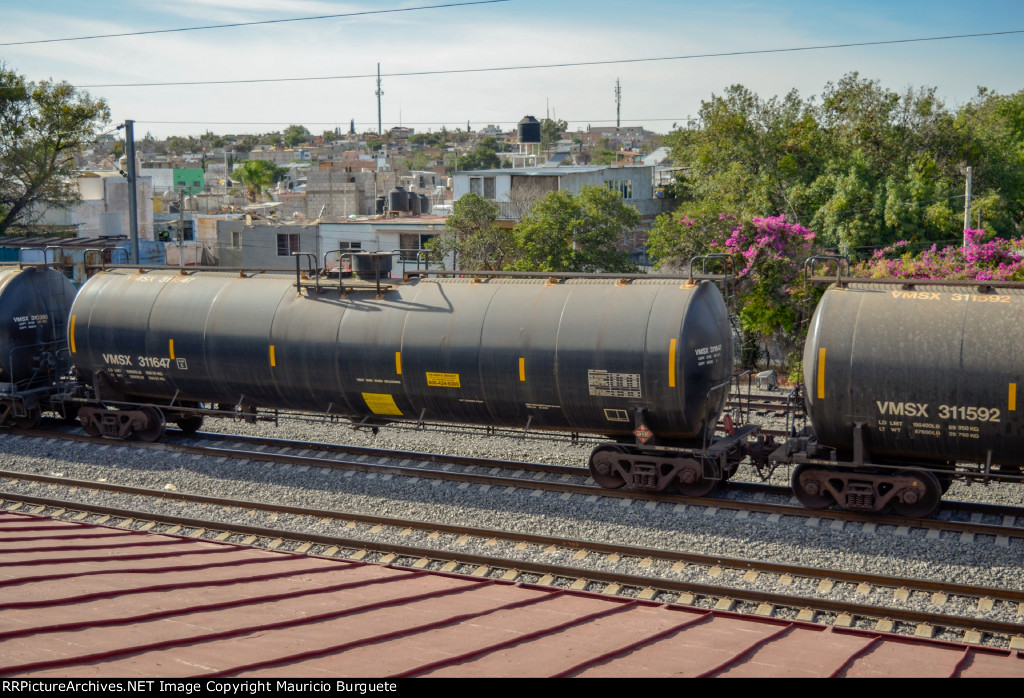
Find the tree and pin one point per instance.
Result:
(483, 157)
(473, 238)
(180, 145)
(256, 175)
(864, 165)
(564, 232)
(296, 135)
(694, 229)
(551, 132)
(42, 126)
(994, 127)
(768, 255)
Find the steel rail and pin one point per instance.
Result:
(862, 610)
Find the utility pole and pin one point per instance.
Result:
(618, 104)
(181, 228)
(133, 203)
(380, 131)
(967, 204)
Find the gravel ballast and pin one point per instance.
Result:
(814, 542)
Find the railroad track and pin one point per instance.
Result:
(965, 520)
(764, 509)
(848, 599)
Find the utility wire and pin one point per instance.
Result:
(456, 71)
(249, 24)
(456, 122)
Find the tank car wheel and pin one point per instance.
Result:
(703, 482)
(33, 416)
(602, 470)
(808, 490)
(189, 425)
(920, 500)
(155, 430)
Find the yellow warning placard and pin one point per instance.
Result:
(382, 403)
(443, 380)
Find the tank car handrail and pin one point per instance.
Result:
(45, 263)
(728, 278)
(865, 281)
(837, 258)
(102, 251)
(709, 433)
(52, 346)
(249, 271)
(705, 258)
(312, 260)
(560, 275)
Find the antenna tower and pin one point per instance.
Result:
(379, 93)
(618, 103)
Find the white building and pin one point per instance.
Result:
(515, 190)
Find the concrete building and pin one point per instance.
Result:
(104, 207)
(263, 244)
(516, 190)
(281, 156)
(267, 244)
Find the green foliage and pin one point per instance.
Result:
(563, 232)
(435, 140)
(603, 156)
(767, 264)
(257, 175)
(472, 236)
(295, 135)
(551, 131)
(864, 166)
(421, 160)
(42, 126)
(693, 229)
(769, 255)
(483, 157)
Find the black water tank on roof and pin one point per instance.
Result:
(529, 130)
(398, 199)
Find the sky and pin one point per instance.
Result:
(618, 40)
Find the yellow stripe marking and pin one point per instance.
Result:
(398, 362)
(382, 403)
(1013, 397)
(170, 346)
(273, 361)
(522, 369)
(71, 334)
(672, 363)
(821, 373)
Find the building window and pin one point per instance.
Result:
(624, 187)
(236, 239)
(483, 186)
(287, 243)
